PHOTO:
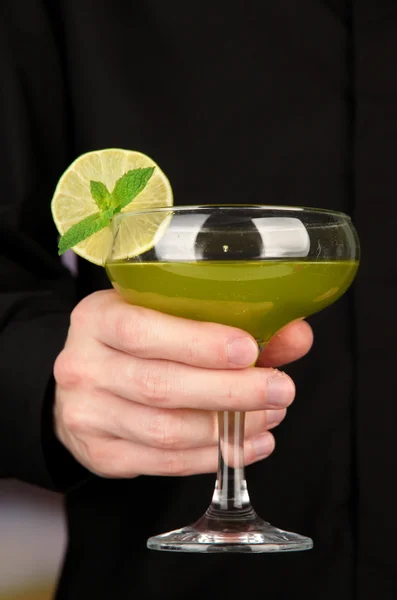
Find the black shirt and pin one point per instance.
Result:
(238, 101)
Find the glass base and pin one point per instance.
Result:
(207, 536)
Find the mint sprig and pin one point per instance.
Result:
(125, 191)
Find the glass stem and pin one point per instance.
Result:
(231, 500)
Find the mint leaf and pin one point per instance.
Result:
(82, 230)
(129, 186)
(100, 193)
(126, 189)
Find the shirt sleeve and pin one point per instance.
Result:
(37, 293)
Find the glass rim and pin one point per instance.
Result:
(217, 207)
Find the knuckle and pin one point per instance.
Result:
(128, 326)
(97, 456)
(71, 418)
(67, 369)
(92, 307)
(104, 460)
(164, 431)
(72, 370)
(80, 314)
(155, 384)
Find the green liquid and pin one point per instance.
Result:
(257, 296)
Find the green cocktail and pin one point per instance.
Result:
(256, 268)
(259, 296)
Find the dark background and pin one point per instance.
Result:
(284, 103)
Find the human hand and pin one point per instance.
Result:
(137, 391)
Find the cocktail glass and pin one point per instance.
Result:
(253, 267)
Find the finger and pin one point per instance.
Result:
(273, 418)
(121, 459)
(110, 416)
(289, 344)
(147, 333)
(167, 384)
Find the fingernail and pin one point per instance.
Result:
(279, 390)
(242, 351)
(262, 444)
(274, 417)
